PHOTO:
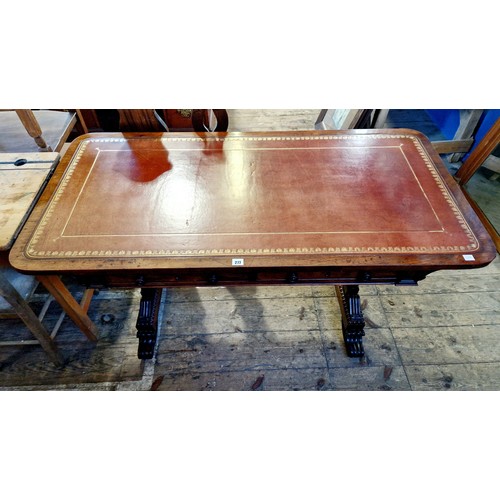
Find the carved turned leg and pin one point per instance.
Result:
(147, 321)
(352, 319)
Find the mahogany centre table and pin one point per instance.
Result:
(202, 209)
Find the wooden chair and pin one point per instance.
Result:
(470, 166)
(22, 177)
(28, 131)
(29, 146)
(16, 296)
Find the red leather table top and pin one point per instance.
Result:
(160, 201)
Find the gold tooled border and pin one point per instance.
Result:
(32, 253)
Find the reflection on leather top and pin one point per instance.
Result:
(259, 195)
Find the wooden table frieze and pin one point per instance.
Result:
(345, 208)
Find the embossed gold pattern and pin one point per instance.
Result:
(32, 252)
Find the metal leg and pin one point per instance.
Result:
(353, 322)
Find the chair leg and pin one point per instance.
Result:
(32, 126)
(73, 309)
(487, 144)
(30, 319)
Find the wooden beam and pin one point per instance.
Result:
(480, 153)
(30, 319)
(73, 309)
(469, 119)
(452, 146)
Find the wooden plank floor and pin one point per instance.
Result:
(442, 335)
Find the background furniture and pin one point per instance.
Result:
(155, 120)
(341, 119)
(463, 139)
(26, 131)
(29, 146)
(462, 142)
(470, 166)
(22, 179)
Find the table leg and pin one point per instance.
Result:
(353, 322)
(30, 319)
(147, 321)
(73, 309)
